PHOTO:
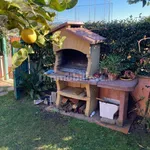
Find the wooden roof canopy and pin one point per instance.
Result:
(76, 28)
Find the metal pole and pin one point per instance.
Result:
(75, 13)
(4, 45)
(94, 10)
(112, 12)
(104, 10)
(2, 67)
(109, 11)
(89, 11)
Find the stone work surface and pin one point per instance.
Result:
(5, 87)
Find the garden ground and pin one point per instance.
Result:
(24, 126)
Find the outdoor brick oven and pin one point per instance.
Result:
(80, 53)
(79, 57)
(75, 64)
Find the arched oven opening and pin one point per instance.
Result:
(72, 61)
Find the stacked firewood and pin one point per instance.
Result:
(73, 105)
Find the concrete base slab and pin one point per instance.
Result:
(109, 121)
(96, 119)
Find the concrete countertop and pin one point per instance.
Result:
(120, 85)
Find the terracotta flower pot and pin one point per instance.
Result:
(141, 94)
(105, 70)
(112, 76)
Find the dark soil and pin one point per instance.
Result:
(55, 117)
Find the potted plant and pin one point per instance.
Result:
(128, 75)
(144, 66)
(112, 66)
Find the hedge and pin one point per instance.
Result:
(122, 35)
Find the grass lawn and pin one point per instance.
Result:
(24, 126)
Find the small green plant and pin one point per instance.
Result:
(35, 83)
(145, 113)
(113, 64)
(146, 119)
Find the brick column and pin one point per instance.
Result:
(123, 97)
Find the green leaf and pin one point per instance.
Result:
(42, 2)
(64, 4)
(3, 12)
(57, 39)
(71, 3)
(41, 40)
(19, 57)
(30, 49)
(11, 24)
(4, 4)
(17, 44)
(39, 19)
(60, 44)
(16, 18)
(13, 5)
(55, 36)
(59, 6)
(34, 24)
(47, 15)
(45, 30)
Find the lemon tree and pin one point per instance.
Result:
(33, 19)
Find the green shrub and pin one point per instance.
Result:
(122, 35)
(114, 64)
(35, 83)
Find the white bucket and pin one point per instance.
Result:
(107, 110)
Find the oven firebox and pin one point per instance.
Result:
(72, 61)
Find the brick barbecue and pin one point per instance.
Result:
(76, 62)
(78, 58)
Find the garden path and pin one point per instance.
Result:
(6, 86)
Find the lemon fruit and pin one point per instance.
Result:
(28, 35)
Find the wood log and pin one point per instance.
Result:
(74, 106)
(78, 105)
(74, 101)
(64, 107)
(68, 107)
(64, 100)
(82, 109)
